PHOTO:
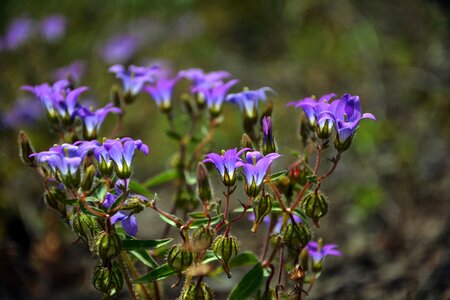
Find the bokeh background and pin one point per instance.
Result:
(390, 201)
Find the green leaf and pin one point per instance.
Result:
(197, 215)
(84, 210)
(144, 244)
(70, 201)
(160, 273)
(312, 178)
(200, 222)
(277, 175)
(160, 178)
(145, 258)
(244, 259)
(139, 189)
(92, 199)
(169, 221)
(209, 257)
(174, 135)
(249, 284)
(191, 179)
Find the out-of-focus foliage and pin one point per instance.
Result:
(391, 215)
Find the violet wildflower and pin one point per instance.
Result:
(215, 95)
(122, 153)
(24, 112)
(318, 252)
(226, 164)
(268, 142)
(92, 120)
(73, 71)
(255, 169)
(126, 217)
(18, 32)
(119, 49)
(248, 101)
(200, 78)
(134, 79)
(162, 93)
(53, 27)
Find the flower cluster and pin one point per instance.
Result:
(343, 114)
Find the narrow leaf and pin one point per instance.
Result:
(160, 178)
(160, 273)
(145, 258)
(312, 178)
(244, 259)
(139, 189)
(144, 244)
(277, 175)
(249, 284)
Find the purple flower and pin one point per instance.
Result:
(215, 95)
(135, 77)
(53, 27)
(18, 32)
(75, 70)
(319, 252)
(226, 164)
(126, 217)
(119, 49)
(162, 92)
(199, 78)
(248, 100)
(255, 169)
(268, 143)
(24, 112)
(122, 153)
(92, 120)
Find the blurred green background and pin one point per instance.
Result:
(389, 197)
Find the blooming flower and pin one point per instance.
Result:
(255, 169)
(134, 78)
(318, 252)
(119, 49)
(248, 100)
(162, 92)
(18, 32)
(215, 95)
(75, 70)
(226, 164)
(24, 112)
(53, 27)
(200, 78)
(92, 120)
(122, 153)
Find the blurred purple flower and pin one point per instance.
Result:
(319, 252)
(135, 77)
(18, 32)
(215, 94)
(162, 92)
(248, 100)
(75, 70)
(24, 112)
(199, 78)
(226, 164)
(119, 49)
(92, 120)
(53, 27)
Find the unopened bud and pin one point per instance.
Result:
(202, 238)
(342, 146)
(261, 209)
(179, 258)
(315, 206)
(268, 143)
(114, 95)
(246, 141)
(187, 104)
(203, 184)
(55, 198)
(296, 236)
(107, 245)
(108, 279)
(88, 178)
(226, 247)
(85, 226)
(25, 150)
(197, 292)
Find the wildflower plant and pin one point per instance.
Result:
(88, 179)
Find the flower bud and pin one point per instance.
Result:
(342, 146)
(179, 258)
(114, 96)
(202, 238)
(226, 247)
(296, 236)
(88, 178)
(55, 198)
(203, 185)
(107, 245)
(85, 226)
(124, 172)
(105, 168)
(200, 100)
(197, 292)
(215, 112)
(108, 279)
(261, 209)
(25, 150)
(268, 143)
(315, 206)
(246, 141)
(186, 101)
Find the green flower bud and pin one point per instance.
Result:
(197, 292)
(261, 209)
(186, 101)
(203, 184)
(108, 279)
(85, 226)
(202, 238)
(25, 150)
(179, 258)
(296, 236)
(226, 247)
(114, 95)
(246, 141)
(88, 178)
(107, 245)
(315, 206)
(55, 198)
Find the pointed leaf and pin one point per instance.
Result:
(144, 244)
(139, 189)
(145, 258)
(244, 259)
(160, 273)
(249, 284)
(277, 175)
(160, 178)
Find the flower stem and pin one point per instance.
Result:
(127, 278)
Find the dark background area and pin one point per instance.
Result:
(389, 209)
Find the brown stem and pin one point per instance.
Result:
(127, 279)
(277, 195)
(335, 163)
